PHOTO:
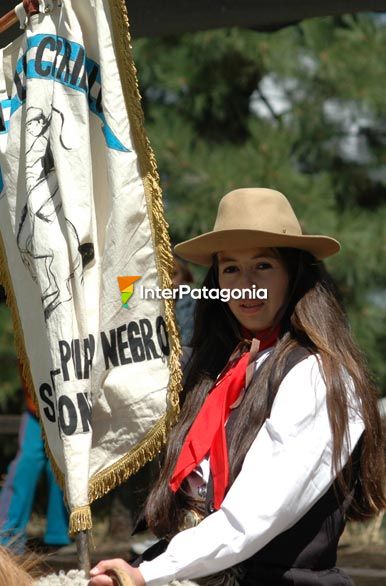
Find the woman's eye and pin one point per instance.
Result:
(230, 269)
(263, 265)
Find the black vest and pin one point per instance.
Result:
(305, 554)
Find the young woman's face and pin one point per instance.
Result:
(262, 267)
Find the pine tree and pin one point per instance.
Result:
(303, 111)
(9, 378)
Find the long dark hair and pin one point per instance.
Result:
(312, 317)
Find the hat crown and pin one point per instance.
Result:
(261, 209)
(255, 217)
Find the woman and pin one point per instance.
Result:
(18, 490)
(276, 449)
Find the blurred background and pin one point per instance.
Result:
(301, 110)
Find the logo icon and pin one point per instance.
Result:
(126, 287)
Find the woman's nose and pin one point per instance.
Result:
(249, 278)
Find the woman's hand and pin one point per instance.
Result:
(100, 574)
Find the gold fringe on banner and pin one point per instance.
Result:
(146, 450)
(104, 481)
(80, 520)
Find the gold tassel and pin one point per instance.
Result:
(80, 520)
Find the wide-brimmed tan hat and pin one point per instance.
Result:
(254, 217)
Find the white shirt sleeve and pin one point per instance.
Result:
(286, 471)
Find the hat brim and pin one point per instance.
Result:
(200, 249)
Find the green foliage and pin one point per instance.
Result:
(199, 95)
(324, 146)
(9, 380)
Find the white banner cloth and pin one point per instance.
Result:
(77, 200)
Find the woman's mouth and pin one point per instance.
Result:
(251, 306)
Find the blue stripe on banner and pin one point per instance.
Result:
(4, 124)
(65, 62)
(20, 65)
(1, 182)
(111, 140)
(52, 74)
(91, 66)
(15, 104)
(95, 104)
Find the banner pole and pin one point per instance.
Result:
(82, 540)
(10, 18)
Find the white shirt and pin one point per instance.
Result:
(286, 471)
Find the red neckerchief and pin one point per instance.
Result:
(207, 433)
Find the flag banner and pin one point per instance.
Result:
(82, 227)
